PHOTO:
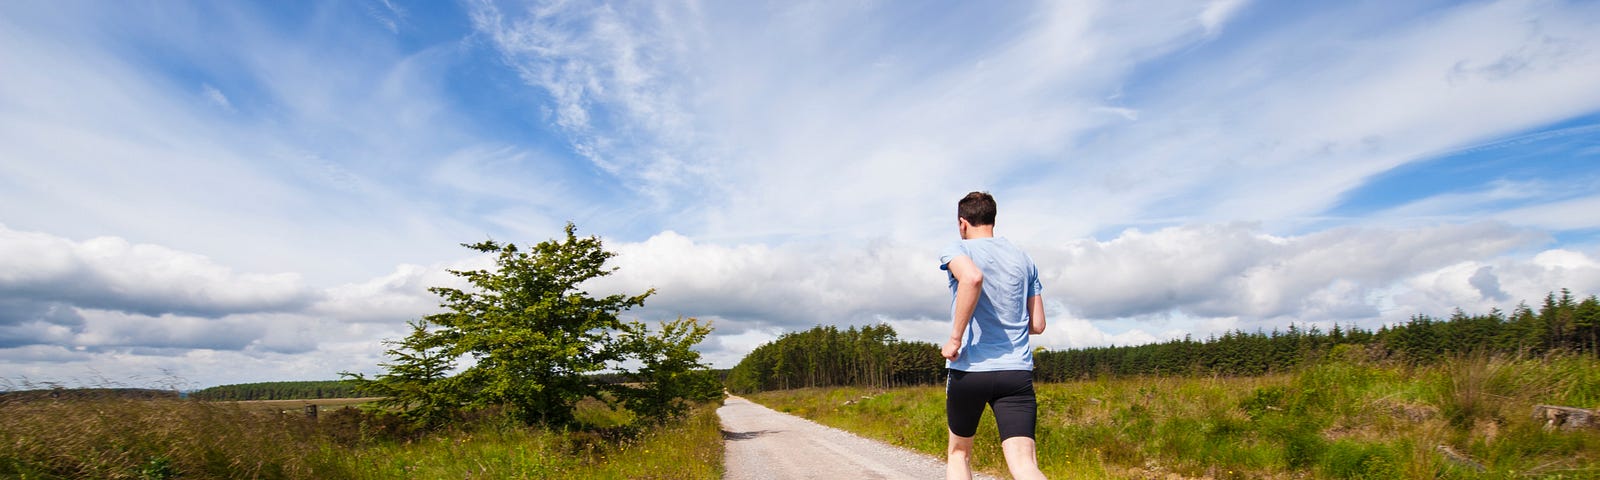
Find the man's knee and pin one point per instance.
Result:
(1018, 445)
(959, 445)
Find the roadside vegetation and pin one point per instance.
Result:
(120, 437)
(1343, 417)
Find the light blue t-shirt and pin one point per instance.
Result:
(997, 337)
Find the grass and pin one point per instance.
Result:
(1340, 419)
(128, 438)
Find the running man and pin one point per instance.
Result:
(996, 306)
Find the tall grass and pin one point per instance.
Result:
(124, 438)
(1340, 418)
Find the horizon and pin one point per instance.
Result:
(254, 192)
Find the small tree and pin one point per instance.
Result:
(671, 376)
(416, 382)
(534, 338)
(534, 334)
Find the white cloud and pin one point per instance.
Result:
(1238, 271)
(603, 75)
(1137, 288)
(1572, 214)
(755, 286)
(389, 15)
(398, 297)
(111, 273)
(1217, 13)
(1197, 279)
(216, 97)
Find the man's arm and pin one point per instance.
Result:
(1036, 314)
(969, 283)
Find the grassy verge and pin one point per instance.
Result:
(1468, 418)
(118, 438)
(688, 450)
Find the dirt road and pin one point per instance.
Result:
(763, 443)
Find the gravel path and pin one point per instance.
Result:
(763, 443)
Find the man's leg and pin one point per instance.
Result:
(1016, 415)
(963, 405)
(1020, 458)
(958, 461)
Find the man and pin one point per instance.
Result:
(996, 306)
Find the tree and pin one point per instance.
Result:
(415, 383)
(672, 376)
(535, 338)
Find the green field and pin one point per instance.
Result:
(115, 437)
(1467, 418)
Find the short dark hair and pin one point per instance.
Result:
(977, 208)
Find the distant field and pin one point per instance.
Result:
(321, 403)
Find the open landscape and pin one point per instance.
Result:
(1338, 418)
(732, 239)
(1343, 418)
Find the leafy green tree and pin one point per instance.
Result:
(532, 341)
(671, 377)
(533, 333)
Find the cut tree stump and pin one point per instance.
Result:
(1565, 418)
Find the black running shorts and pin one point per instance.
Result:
(1009, 393)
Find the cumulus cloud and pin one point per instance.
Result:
(30, 322)
(107, 294)
(754, 286)
(394, 298)
(1236, 270)
(1138, 287)
(114, 274)
(1135, 288)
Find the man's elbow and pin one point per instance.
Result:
(1036, 329)
(973, 281)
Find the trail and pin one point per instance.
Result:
(763, 443)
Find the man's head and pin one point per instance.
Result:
(977, 209)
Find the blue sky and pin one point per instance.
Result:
(208, 193)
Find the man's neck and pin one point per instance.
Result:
(977, 232)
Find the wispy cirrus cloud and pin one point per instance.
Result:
(1126, 113)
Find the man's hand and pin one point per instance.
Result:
(951, 350)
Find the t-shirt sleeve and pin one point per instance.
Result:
(1034, 287)
(949, 253)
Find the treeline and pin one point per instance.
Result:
(59, 393)
(827, 356)
(873, 356)
(1562, 323)
(307, 390)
